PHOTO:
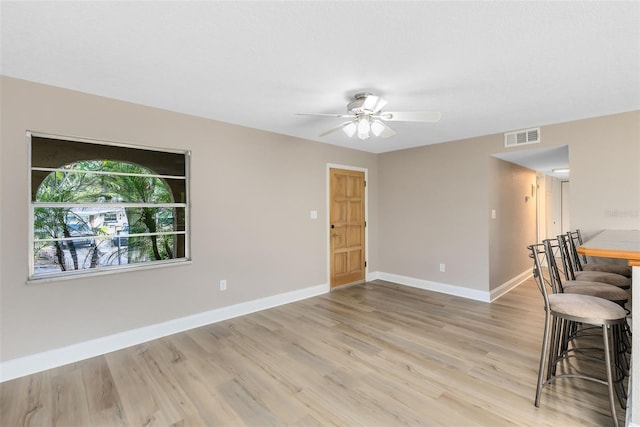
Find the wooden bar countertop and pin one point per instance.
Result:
(622, 244)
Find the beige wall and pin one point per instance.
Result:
(514, 227)
(433, 210)
(604, 155)
(251, 194)
(434, 200)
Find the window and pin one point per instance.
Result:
(112, 217)
(99, 207)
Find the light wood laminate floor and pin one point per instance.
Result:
(377, 354)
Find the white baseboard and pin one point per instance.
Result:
(513, 283)
(435, 286)
(373, 276)
(459, 291)
(27, 365)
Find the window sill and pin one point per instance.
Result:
(107, 271)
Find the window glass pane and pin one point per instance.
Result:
(93, 252)
(60, 223)
(93, 182)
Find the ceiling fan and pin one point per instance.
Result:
(366, 117)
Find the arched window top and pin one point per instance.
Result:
(49, 153)
(103, 181)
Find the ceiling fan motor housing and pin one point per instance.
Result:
(360, 106)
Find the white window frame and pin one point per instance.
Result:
(63, 275)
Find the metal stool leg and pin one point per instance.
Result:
(607, 357)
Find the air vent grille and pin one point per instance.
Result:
(522, 137)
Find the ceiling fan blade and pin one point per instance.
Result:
(326, 115)
(373, 103)
(414, 116)
(381, 103)
(340, 126)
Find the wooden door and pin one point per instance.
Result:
(347, 226)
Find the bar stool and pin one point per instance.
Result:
(589, 276)
(557, 258)
(556, 262)
(566, 313)
(575, 241)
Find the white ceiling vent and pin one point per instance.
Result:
(522, 137)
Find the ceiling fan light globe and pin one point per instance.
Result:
(350, 129)
(363, 125)
(363, 128)
(377, 128)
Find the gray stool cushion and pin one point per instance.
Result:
(596, 289)
(623, 270)
(585, 308)
(599, 276)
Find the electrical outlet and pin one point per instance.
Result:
(223, 285)
(442, 268)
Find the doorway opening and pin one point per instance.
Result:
(552, 186)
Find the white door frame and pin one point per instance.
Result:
(565, 209)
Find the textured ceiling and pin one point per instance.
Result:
(489, 67)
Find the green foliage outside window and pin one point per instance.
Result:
(73, 234)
